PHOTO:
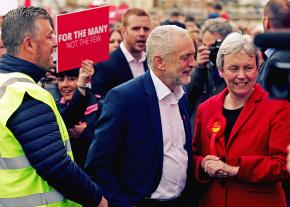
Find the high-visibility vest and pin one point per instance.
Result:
(20, 185)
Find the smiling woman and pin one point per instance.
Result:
(248, 159)
(72, 86)
(237, 62)
(67, 84)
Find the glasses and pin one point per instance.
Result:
(187, 57)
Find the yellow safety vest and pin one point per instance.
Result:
(20, 185)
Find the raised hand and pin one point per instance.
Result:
(86, 71)
(203, 56)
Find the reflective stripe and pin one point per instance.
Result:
(11, 81)
(68, 146)
(32, 200)
(14, 163)
(22, 162)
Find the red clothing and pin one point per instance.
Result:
(225, 15)
(257, 144)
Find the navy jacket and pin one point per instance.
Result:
(34, 126)
(80, 145)
(111, 73)
(126, 154)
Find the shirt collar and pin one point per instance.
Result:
(163, 92)
(269, 52)
(130, 57)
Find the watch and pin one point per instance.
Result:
(83, 87)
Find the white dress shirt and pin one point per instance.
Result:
(175, 157)
(136, 66)
(269, 52)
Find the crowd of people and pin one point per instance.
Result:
(178, 116)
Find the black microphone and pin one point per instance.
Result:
(280, 40)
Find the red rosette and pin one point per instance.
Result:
(215, 128)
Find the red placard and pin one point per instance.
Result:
(82, 35)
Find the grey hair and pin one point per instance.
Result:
(19, 23)
(234, 43)
(217, 25)
(161, 41)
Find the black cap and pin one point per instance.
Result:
(73, 72)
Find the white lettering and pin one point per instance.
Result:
(95, 39)
(97, 30)
(80, 34)
(65, 37)
(72, 44)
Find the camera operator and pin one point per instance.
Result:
(276, 18)
(205, 80)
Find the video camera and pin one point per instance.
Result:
(278, 78)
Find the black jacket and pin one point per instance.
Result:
(34, 126)
(205, 82)
(273, 80)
